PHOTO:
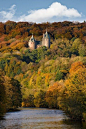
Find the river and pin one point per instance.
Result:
(39, 118)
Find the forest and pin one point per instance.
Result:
(52, 77)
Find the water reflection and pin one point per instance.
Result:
(29, 118)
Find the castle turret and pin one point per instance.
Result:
(32, 43)
(46, 40)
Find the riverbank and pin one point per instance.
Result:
(13, 110)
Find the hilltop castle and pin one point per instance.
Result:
(45, 42)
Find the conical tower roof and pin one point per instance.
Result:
(46, 35)
(32, 39)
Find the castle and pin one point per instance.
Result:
(45, 42)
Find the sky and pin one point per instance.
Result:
(40, 11)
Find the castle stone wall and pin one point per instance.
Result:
(32, 45)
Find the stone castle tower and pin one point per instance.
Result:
(45, 42)
(32, 43)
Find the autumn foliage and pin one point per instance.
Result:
(54, 77)
(75, 91)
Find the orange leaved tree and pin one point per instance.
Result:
(75, 91)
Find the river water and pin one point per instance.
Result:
(39, 118)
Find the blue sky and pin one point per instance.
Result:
(42, 10)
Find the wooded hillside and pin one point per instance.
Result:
(54, 77)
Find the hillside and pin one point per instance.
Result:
(14, 36)
(44, 77)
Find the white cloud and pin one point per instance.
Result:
(56, 10)
(8, 15)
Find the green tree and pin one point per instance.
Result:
(82, 50)
(59, 75)
(75, 46)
